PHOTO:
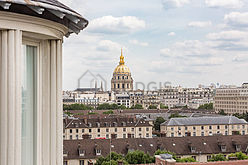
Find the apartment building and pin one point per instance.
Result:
(123, 99)
(192, 97)
(145, 98)
(231, 99)
(107, 127)
(200, 148)
(204, 126)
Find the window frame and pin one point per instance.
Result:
(38, 95)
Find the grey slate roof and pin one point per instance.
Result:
(223, 120)
(47, 9)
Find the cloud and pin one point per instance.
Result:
(171, 34)
(174, 3)
(136, 42)
(116, 25)
(224, 3)
(237, 19)
(200, 24)
(231, 35)
(107, 45)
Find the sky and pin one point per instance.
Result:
(185, 42)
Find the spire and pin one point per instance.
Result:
(122, 59)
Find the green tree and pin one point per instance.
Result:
(238, 155)
(77, 107)
(222, 112)
(183, 160)
(218, 157)
(162, 106)
(176, 115)
(108, 112)
(138, 157)
(157, 123)
(207, 106)
(114, 159)
(137, 106)
(152, 107)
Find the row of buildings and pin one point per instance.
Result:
(169, 96)
(200, 148)
(230, 99)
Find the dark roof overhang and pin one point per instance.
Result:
(51, 10)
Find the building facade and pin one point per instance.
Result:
(106, 128)
(122, 80)
(31, 37)
(199, 148)
(231, 100)
(204, 126)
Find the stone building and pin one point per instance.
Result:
(199, 148)
(204, 126)
(122, 80)
(107, 127)
(231, 99)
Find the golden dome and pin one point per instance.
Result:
(121, 68)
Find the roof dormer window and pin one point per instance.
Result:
(98, 152)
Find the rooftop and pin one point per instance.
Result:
(204, 121)
(51, 10)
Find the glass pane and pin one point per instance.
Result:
(29, 57)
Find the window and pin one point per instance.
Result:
(81, 162)
(147, 135)
(243, 132)
(172, 134)
(76, 136)
(107, 136)
(202, 127)
(218, 127)
(193, 128)
(194, 133)
(118, 85)
(186, 128)
(132, 129)
(70, 130)
(115, 129)
(172, 128)
(123, 85)
(226, 127)
(65, 163)
(226, 132)
(124, 136)
(139, 129)
(82, 130)
(98, 130)
(202, 133)
(124, 129)
(76, 130)
(107, 130)
(98, 152)
(29, 104)
(89, 130)
(210, 127)
(147, 129)
(70, 137)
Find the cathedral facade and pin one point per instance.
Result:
(122, 80)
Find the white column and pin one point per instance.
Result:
(10, 98)
(59, 108)
(18, 101)
(3, 98)
(46, 67)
